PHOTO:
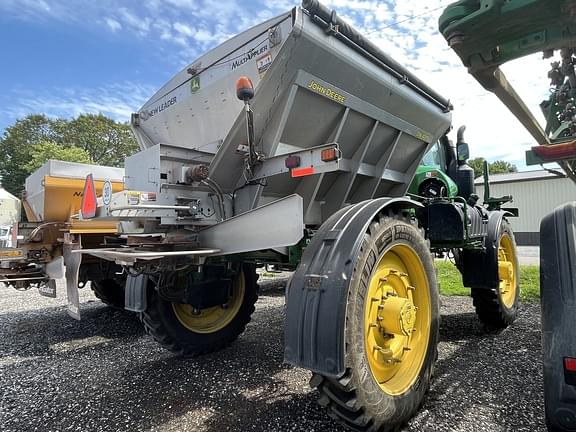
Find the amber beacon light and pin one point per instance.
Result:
(244, 88)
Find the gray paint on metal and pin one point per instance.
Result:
(308, 189)
(340, 189)
(129, 256)
(72, 262)
(272, 225)
(308, 158)
(317, 90)
(135, 293)
(362, 106)
(369, 187)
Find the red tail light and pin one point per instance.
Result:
(89, 204)
(570, 364)
(302, 172)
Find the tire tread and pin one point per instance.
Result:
(154, 327)
(106, 290)
(493, 315)
(339, 395)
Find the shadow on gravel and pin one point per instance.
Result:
(272, 287)
(244, 387)
(459, 327)
(31, 333)
(234, 390)
(131, 384)
(138, 387)
(489, 381)
(259, 414)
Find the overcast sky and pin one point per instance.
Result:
(66, 57)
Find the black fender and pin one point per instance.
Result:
(480, 268)
(316, 297)
(558, 303)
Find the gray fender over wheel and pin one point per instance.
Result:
(363, 315)
(384, 385)
(493, 275)
(558, 301)
(316, 299)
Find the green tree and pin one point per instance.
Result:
(45, 150)
(477, 165)
(496, 167)
(502, 167)
(104, 141)
(15, 148)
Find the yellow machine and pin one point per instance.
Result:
(51, 202)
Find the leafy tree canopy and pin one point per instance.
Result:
(30, 141)
(501, 167)
(46, 150)
(496, 167)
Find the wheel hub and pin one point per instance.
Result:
(398, 315)
(397, 331)
(507, 271)
(506, 274)
(215, 318)
(395, 316)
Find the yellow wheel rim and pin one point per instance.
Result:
(397, 319)
(212, 319)
(507, 271)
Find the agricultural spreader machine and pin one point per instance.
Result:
(294, 144)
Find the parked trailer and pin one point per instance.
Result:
(53, 194)
(294, 144)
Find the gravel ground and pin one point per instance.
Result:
(105, 374)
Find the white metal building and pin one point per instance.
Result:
(535, 193)
(9, 216)
(9, 208)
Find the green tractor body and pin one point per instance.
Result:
(428, 176)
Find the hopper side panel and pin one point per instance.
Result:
(198, 107)
(313, 61)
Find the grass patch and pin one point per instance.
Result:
(451, 281)
(530, 283)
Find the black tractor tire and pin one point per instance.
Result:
(357, 399)
(161, 321)
(489, 303)
(558, 303)
(110, 291)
